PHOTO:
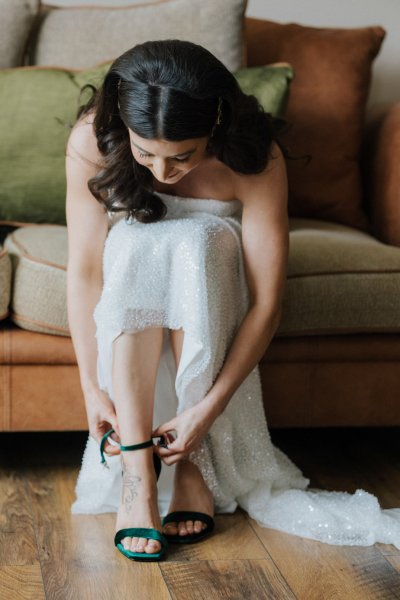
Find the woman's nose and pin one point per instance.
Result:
(161, 169)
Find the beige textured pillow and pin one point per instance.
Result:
(16, 19)
(5, 282)
(80, 37)
(39, 259)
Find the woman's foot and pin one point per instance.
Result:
(190, 493)
(138, 506)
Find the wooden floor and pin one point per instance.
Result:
(47, 553)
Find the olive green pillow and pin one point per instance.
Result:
(269, 84)
(38, 108)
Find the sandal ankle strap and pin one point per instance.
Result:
(146, 444)
(138, 446)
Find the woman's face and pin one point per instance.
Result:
(168, 161)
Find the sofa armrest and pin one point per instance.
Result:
(382, 175)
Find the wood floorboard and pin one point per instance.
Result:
(46, 552)
(232, 539)
(394, 561)
(77, 553)
(230, 579)
(314, 570)
(17, 537)
(22, 582)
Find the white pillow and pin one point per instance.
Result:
(80, 37)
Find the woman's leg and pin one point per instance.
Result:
(134, 368)
(190, 489)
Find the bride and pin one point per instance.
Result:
(178, 246)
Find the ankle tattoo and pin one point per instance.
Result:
(130, 489)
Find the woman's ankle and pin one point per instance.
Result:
(142, 458)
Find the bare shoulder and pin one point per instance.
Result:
(87, 220)
(82, 143)
(270, 184)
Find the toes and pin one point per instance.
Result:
(189, 526)
(182, 528)
(136, 544)
(199, 526)
(153, 546)
(170, 528)
(128, 543)
(140, 546)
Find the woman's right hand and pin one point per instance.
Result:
(101, 418)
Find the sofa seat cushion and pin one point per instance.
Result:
(5, 282)
(39, 260)
(340, 280)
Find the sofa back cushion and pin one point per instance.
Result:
(42, 102)
(83, 36)
(16, 20)
(326, 111)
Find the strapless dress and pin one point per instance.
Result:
(186, 271)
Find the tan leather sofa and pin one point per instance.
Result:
(335, 361)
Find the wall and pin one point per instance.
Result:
(385, 85)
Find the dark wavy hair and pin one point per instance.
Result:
(170, 90)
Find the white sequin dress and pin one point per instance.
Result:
(186, 271)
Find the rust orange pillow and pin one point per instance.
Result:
(326, 111)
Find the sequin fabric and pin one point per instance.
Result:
(186, 271)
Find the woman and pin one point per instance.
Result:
(178, 245)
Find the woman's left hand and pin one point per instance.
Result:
(191, 426)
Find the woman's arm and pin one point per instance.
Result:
(265, 240)
(87, 226)
(87, 230)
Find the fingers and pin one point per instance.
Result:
(111, 418)
(164, 428)
(114, 425)
(174, 458)
(112, 442)
(175, 452)
(176, 445)
(111, 450)
(112, 447)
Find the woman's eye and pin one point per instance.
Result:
(142, 155)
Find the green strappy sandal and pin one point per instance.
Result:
(144, 532)
(188, 515)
